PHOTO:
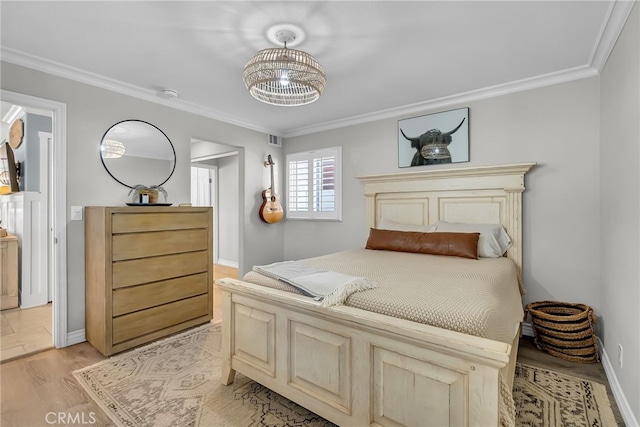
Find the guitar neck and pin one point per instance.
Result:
(273, 188)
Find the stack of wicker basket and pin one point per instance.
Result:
(564, 330)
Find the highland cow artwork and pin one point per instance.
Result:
(434, 139)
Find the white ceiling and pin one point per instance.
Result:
(382, 59)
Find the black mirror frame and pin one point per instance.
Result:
(150, 124)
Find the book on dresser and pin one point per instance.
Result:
(148, 273)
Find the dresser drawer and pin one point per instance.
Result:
(135, 298)
(140, 245)
(148, 273)
(154, 269)
(143, 322)
(139, 222)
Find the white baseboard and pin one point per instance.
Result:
(621, 400)
(227, 263)
(76, 337)
(527, 330)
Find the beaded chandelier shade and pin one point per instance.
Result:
(111, 149)
(283, 76)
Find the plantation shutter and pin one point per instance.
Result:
(313, 184)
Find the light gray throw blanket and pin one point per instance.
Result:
(330, 287)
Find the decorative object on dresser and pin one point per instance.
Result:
(143, 195)
(271, 210)
(421, 141)
(148, 273)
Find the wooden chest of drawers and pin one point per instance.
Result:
(8, 272)
(148, 273)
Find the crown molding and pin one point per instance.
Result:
(55, 68)
(452, 100)
(617, 15)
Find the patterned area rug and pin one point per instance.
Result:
(176, 382)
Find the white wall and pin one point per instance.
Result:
(620, 208)
(556, 126)
(90, 112)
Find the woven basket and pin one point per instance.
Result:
(564, 330)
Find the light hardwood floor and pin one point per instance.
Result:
(41, 384)
(25, 331)
(219, 272)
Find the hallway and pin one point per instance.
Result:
(25, 331)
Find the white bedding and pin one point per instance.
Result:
(330, 287)
(476, 297)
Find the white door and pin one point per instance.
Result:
(35, 286)
(200, 186)
(203, 193)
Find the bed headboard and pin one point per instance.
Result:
(485, 194)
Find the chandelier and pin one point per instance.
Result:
(111, 149)
(283, 76)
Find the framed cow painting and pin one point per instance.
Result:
(434, 139)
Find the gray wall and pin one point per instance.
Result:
(228, 209)
(619, 247)
(28, 153)
(90, 112)
(555, 126)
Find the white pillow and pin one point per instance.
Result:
(494, 240)
(388, 224)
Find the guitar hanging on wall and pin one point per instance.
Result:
(271, 210)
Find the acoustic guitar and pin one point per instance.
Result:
(271, 210)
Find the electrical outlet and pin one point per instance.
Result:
(76, 213)
(620, 354)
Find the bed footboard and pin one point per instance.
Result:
(358, 368)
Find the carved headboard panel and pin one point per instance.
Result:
(485, 195)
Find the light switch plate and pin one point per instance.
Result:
(76, 213)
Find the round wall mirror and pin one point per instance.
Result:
(135, 152)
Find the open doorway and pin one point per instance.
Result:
(215, 171)
(37, 215)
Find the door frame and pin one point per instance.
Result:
(57, 207)
(239, 152)
(213, 189)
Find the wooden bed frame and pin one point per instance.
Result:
(358, 368)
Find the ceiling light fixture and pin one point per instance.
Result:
(283, 76)
(111, 149)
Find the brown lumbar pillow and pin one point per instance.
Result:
(463, 245)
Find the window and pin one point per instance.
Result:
(314, 184)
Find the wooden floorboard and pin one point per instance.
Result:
(25, 331)
(35, 389)
(220, 271)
